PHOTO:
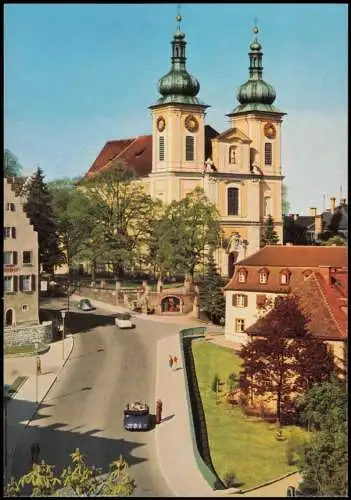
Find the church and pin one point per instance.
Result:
(238, 169)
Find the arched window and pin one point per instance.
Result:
(189, 148)
(9, 317)
(233, 201)
(161, 148)
(268, 153)
(232, 155)
(177, 51)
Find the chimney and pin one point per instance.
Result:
(318, 225)
(343, 201)
(313, 212)
(296, 216)
(332, 200)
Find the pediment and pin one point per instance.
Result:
(233, 134)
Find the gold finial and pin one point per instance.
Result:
(255, 28)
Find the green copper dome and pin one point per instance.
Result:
(178, 86)
(255, 94)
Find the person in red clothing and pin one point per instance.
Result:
(175, 361)
(170, 361)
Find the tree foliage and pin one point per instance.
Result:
(269, 234)
(12, 167)
(78, 478)
(285, 360)
(38, 207)
(332, 229)
(338, 240)
(212, 299)
(285, 201)
(187, 233)
(121, 217)
(294, 232)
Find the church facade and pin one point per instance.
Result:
(239, 169)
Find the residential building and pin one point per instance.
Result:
(21, 266)
(272, 271)
(239, 169)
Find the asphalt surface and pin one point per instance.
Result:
(84, 409)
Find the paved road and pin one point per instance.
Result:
(84, 409)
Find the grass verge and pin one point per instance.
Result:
(25, 349)
(240, 444)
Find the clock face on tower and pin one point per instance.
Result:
(161, 124)
(269, 131)
(191, 123)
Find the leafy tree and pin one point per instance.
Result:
(337, 240)
(211, 292)
(71, 209)
(269, 235)
(38, 207)
(324, 405)
(78, 480)
(285, 360)
(12, 167)
(186, 233)
(332, 228)
(285, 202)
(121, 216)
(294, 232)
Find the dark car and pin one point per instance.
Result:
(137, 417)
(85, 305)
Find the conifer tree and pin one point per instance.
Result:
(270, 235)
(38, 207)
(211, 294)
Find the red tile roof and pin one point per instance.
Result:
(136, 153)
(297, 259)
(320, 301)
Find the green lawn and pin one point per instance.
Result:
(243, 445)
(24, 349)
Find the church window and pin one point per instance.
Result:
(161, 148)
(232, 158)
(189, 148)
(268, 153)
(233, 201)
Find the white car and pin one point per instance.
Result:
(123, 320)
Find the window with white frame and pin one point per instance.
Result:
(27, 257)
(10, 258)
(239, 325)
(284, 279)
(263, 277)
(26, 283)
(233, 201)
(8, 284)
(9, 232)
(242, 276)
(10, 207)
(239, 300)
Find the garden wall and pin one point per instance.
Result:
(196, 412)
(27, 334)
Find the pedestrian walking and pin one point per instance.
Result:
(159, 405)
(175, 361)
(34, 453)
(170, 361)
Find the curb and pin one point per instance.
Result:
(38, 405)
(156, 429)
(272, 481)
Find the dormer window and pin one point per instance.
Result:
(242, 273)
(284, 277)
(263, 276)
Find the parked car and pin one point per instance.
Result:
(123, 320)
(137, 416)
(85, 305)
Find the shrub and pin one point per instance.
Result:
(294, 448)
(232, 382)
(215, 383)
(229, 479)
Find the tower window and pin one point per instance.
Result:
(189, 148)
(232, 158)
(161, 148)
(268, 153)
(233, 201)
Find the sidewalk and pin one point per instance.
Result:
(22, 408)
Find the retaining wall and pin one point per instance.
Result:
(27, 334)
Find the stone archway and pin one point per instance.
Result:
(9, 317)
(171, 303)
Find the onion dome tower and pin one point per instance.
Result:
(255, 94)
(178, 86)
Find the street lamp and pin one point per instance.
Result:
(63, 314)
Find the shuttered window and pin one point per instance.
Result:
(189, 148)
(268, 153)
(161, 148)
(233, 201)
(240, 300)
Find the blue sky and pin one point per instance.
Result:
(78, 75)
